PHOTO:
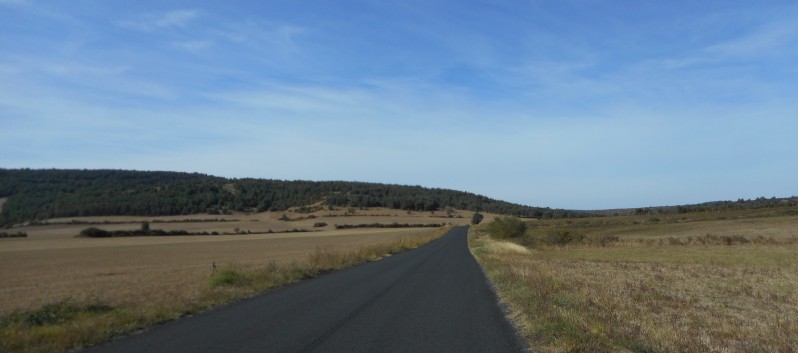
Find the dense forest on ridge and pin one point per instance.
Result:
(41, 194)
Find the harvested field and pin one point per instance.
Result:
(244, 223)
(137, 270)
(693, 283)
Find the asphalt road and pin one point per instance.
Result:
(432, 299)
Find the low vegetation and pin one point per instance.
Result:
(477, 218)
(388, 225)
(691, 283)
(13, 235)
(506, 227)
(94, 232)
(69, 324)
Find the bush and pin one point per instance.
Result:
(477, 218)
(13, 235)
(386, 225)
(564, 237)
(319, 224)
(605, 240)
(60, 312)
(506, 227)
(94, 232)
(229, 276)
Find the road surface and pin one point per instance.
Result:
(432, 299)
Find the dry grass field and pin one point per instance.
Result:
(60, 291)
(683, 283)
(52, 263)
(139, 270)
(244, 223)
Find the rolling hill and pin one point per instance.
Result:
(40, 194)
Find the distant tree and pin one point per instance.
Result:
(477, 218)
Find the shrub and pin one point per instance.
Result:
(94, 232)
(229, 276)
(654, 219)
(477, 218)
(506, 227)
(564, 237)
(60, 312)
(391, 225)
(605, 240)
(13, 235)
(319, 224)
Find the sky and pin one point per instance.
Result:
(563, 104)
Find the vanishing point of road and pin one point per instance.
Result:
(431, 299)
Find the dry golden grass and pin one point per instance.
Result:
(140, 270)
(52, 264)
(95, 289)
(255, 223)
(639, 295)
(498, 247)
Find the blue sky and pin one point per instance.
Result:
(569, 104)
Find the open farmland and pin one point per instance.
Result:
(139, 270)
(242, 223)
(65, 292)
(52, 264)
(703, 282)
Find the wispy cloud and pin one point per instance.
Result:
(154, 21)
(276, 38)
(82, 70)
(8, 69)
(193, 45)
(773, 38)
(549, 105)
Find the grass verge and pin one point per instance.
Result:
(706, 295)
(70, 325)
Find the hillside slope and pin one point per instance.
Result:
(41, 194)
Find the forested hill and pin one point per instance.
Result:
(42, 194)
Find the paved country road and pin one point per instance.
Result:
(432, 299)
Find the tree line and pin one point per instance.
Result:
(41, 194)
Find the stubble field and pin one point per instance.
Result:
(52, 264)
(63, 292)
(140, 270)
(687, 283)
